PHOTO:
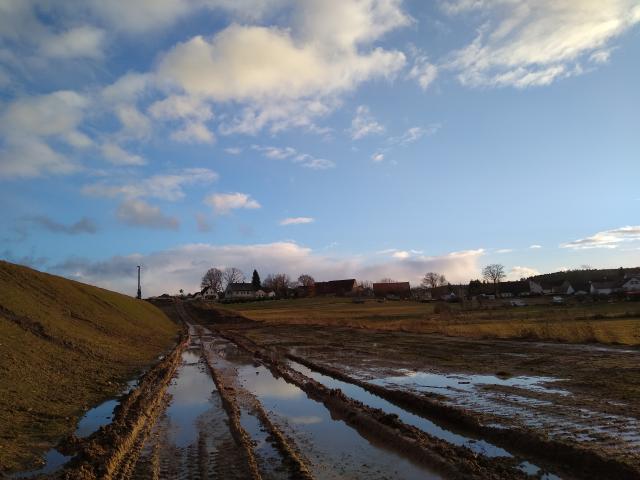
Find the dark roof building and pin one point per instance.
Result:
(240, 290)
(400, 289)
(335, 287)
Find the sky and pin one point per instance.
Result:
(338, 138)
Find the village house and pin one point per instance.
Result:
(265, 294)
(511, 289)
(390, 290)
(631, 284)
(208, 293)
(551, 288)
(338, 288)
(239, 291)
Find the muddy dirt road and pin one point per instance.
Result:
(239, 399)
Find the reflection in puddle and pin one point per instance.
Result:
(191, 393)
(333, 448)
(360, 394)
(101, 415)
(436, 382)
(53, 460)
(536, 471)
(96, 418)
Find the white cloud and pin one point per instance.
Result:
(127, 88)
(183, 266)
(233, 150)
(364, 124)
(117, 156)
(414, 134)
(224, 203)
(286, 77)
(139, 16)
(29, 123)
(377, 157)
(191, 112)
(316, 163)
(535, 246)
(504, 250)
(78, 42)
(606, 239)
(32, 158)
(192, 132)
(135, 124)
(56, 114)
(517, 272)
(423, 72)
(139, 213)
(278, 153)
(163, 186)
(253, 63)
(181, 107)
(524, 43)
(402, 254)
(296, 221)
(290, 153)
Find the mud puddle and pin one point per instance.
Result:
(53, 460)
(358, 393)
(481, 447)
(191, 439)
(332, 449)
(442, 383)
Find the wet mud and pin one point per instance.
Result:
(237, 400)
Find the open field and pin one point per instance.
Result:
(64, 346)
(238, 398)
(607, 323)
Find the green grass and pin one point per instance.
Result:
(64, 346)
(576, 323)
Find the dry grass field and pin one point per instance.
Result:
(609, 323)
(64, 346)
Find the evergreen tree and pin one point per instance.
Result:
(255, 281)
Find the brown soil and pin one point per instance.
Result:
(356, 355)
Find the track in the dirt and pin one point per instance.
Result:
(288, 428)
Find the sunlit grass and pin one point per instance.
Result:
(603, 322)
(63, 347)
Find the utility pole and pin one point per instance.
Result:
(139, 296)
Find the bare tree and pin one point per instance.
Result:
(233, 275)
(213, 279)
(278, 283)
(386, 280)
(494, 273)
(433, 280)
(306, 280)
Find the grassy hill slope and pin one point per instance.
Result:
(64, 346)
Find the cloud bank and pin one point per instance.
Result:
(183, 266)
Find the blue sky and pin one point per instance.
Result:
(366, 138)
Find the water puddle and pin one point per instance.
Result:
(440, 383)
(359, 393)
(90, 422)
(535, 471)
(101, 415)
(479, 446)
(53, 460)
(333, 449)
(191, 392)
(270, 461)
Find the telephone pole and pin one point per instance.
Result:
(139, 296)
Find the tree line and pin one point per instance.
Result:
(219, 279)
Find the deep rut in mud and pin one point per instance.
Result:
(227, 407)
